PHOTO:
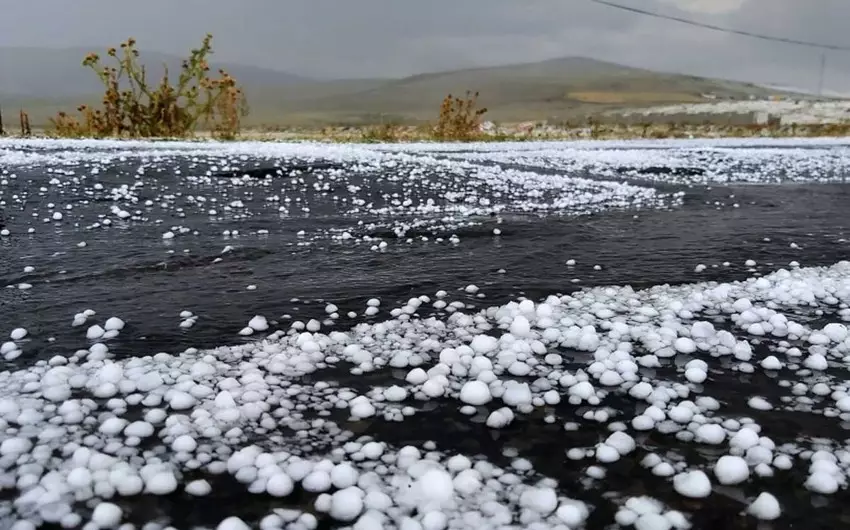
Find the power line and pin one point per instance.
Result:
(721, 28)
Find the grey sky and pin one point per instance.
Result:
(361, 38)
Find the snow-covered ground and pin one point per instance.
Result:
(802, 112)
(85, 433)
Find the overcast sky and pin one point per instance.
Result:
(362, 38)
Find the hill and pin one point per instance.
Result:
(563, 89)
(45, 81)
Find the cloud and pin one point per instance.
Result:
(340, 38)
(712, 7)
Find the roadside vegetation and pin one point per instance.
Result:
(134, 106)
(459, 120)
(541, 131)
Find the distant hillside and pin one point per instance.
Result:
(58, 74)
(558, 88)
(45, 81)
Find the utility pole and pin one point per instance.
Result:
(822, 73)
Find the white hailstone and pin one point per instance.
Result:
(139, 429)
(434, 488)
(710, 433)
(346, 504)
(783, 462)
(765, 507)
(572, 513)
(184, 444)
(836, 332)
(344, 475)
(816, 361)
(541, 500)
(280, 485)
(361, 407)
(258, 323)
(198, 488)
(317, 481)
(822, 482)
(606, 454)
(685, 345)
(114, 324)
(395, 394)
(622, 442)
(106, 515)
(475, 393)
(771, 363)
(233, 523)
(744, 439)
(161, 483)
(95, 332)
(759, 403)
(500, 418)
(731, 470)
(652, 521)
(843, 404)
(112, 426)
(693, 484)
(79, 478)
(696, 375)
(520, 327)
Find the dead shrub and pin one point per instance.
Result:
(131, 107)
(460, 119)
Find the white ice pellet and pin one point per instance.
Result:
(198, 488)
(95, 332)
(475, 393)
(161, 483)
(765, 507)
(771, 363)
(280, 485)
(114, 324)
(233, 523)
(731, 470)
(541, 500)
(693, 484)
(822, 482)
(258, 323)
(184, 444)
(347, 504)
(106, 515)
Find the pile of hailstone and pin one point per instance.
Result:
(84, 431)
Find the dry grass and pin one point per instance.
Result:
(131, 107)
(26, 129)
(517, 133)
(521, 133)
(632, 98)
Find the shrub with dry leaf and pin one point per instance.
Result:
(460, 119)
(132, 107)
